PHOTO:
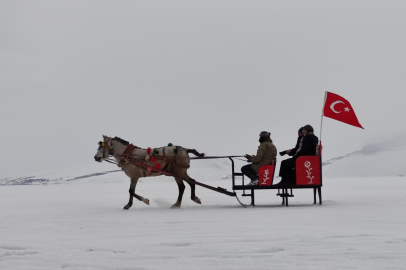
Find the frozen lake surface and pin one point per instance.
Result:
(81, 225)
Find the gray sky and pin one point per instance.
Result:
(208, 75)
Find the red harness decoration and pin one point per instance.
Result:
(125, 158)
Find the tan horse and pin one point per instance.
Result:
(172, 159)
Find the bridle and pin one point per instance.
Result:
(110, 148)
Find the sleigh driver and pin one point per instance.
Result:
(266, 154)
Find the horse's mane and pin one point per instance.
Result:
(121, 141)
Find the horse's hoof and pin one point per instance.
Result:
(146, 201)
(175, 206)
(127, 207)
(197, 200)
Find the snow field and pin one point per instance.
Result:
(81, 225)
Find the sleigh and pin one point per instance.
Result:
(307, 175)
(170, 161)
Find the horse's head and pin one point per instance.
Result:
(105, 149)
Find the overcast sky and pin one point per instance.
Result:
(208, 75)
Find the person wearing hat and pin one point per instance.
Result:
(307, 147)
(266, 153)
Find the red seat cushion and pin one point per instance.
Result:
(308, 170)
(265, 175)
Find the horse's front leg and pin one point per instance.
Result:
(131, 191)
(132, 194)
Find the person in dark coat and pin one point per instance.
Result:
(292, 152)
(307, 147)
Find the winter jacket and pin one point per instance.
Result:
(265, 155)
(293, 151)
(309, 144)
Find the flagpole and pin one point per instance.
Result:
(322, 114)
(321, 125)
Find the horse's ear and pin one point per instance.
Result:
(104, 137)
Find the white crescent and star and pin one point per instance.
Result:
(336, 102)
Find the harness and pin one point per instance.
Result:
(126, 158)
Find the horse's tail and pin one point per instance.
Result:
(194, 152)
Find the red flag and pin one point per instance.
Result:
(338, 108)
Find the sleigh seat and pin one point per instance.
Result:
(306, 175)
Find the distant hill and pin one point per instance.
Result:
(379, 159)
(386, 158)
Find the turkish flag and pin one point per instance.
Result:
(340, 109)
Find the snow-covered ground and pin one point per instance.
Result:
(80, 224)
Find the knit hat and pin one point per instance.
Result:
(308, 128)
(265, 134)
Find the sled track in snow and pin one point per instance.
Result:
(36, 180)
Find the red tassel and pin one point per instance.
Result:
(158, 165)
(149, 150)
(153, 159)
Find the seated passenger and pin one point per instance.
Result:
(265, 155)
(292, 151)
(307, 147)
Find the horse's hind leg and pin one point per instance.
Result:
(132, 194)
(181, 187)
(192, 185)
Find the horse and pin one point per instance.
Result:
(172, 161)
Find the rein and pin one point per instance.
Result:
(125, 158)
(213, 157)
(138, 164)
